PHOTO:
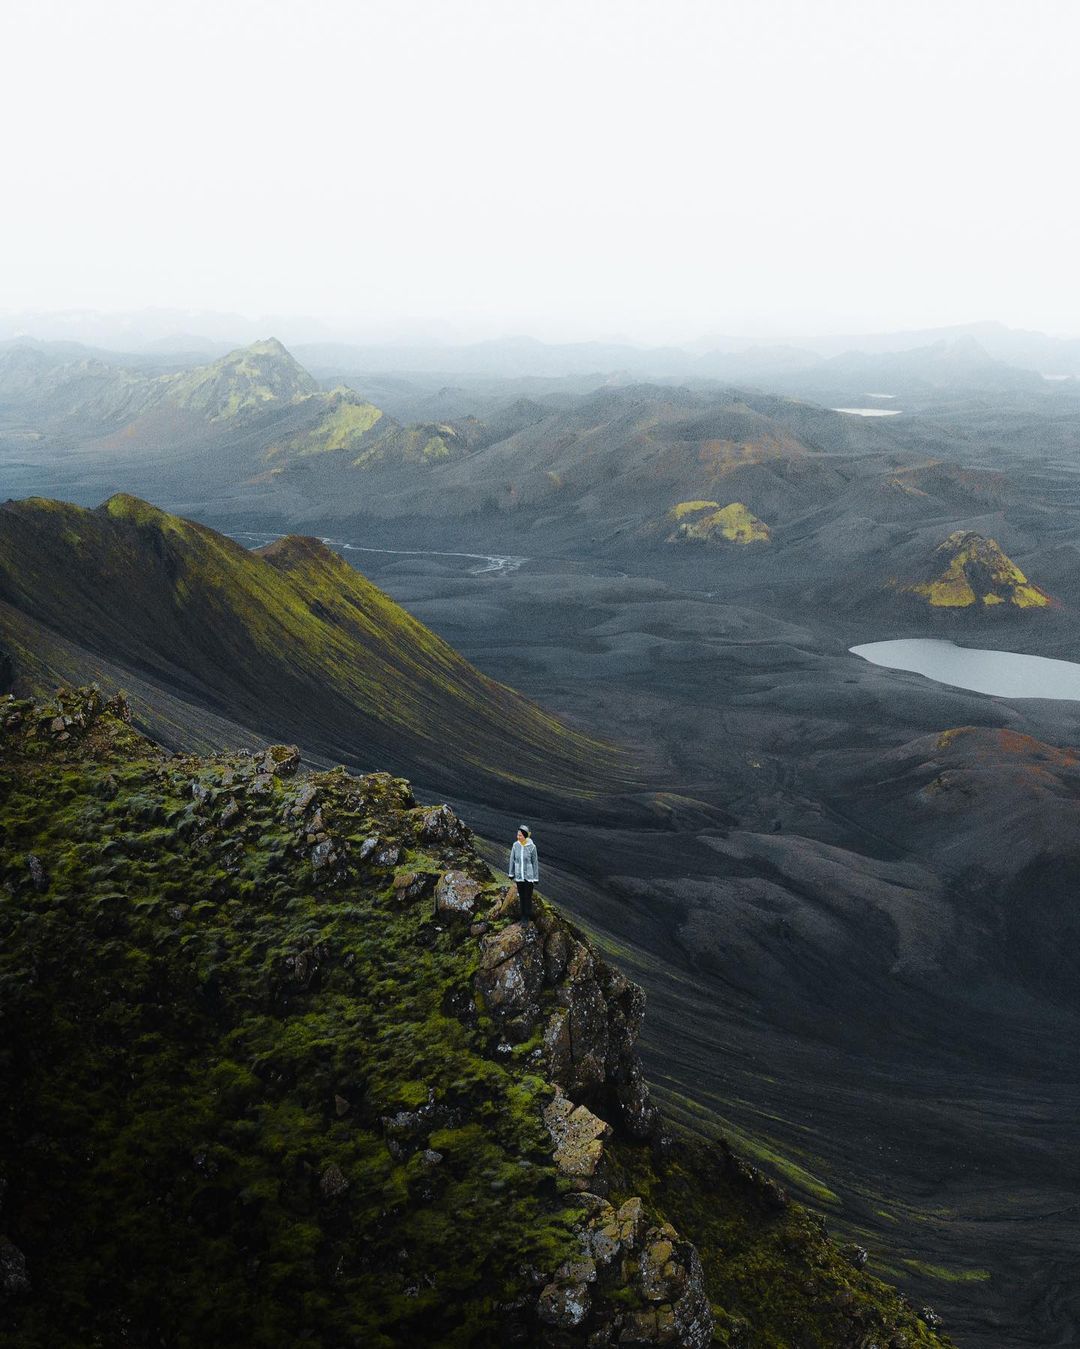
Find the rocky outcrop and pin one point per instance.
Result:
(636, 1283)
(578, 1138)
(510, 976)
(457, 893)
(590, 1020)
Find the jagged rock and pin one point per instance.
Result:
(404, 1126)
(301, 967)
(409, 886)
(577, 1271)
(280, 760)
(556, 954)
(332, 1184)
(856, 1255)
(388, 856)
(639, 1115)
(303, 798)
(14, 1278)
(691, 1312)
(589, 1042)
(199, 790)
(456, 893)
(511, 972)
(230, 814)
(323, 854)
(656, 1269)
(639, 1328)
(39, 878)
(261, 784)
(578, 1136)
(341, 1106)
(367, 847)
(564, 1305)
(439, 824)
(627, 1225)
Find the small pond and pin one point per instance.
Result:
(1005, 673)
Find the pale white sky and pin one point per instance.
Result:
(652, 168)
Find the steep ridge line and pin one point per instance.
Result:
(289, 640)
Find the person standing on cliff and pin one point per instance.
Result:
(524, 870)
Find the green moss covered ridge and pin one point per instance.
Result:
(281, 1066)
(291, 640)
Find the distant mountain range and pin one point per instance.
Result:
(255, 438)
(161, 334)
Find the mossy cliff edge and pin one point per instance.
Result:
(280, 1067)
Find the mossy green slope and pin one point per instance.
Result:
(343, 423)
(257, 1092)
(243, 381)
(292, 642)
(208, 1032)
(347, 433)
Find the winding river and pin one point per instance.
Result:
(488, 562)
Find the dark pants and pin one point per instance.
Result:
(525, 889)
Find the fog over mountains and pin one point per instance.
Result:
(158, 334)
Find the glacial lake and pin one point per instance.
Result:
(869, 412)
(1005, 673)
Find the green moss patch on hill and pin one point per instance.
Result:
(977, 573)
(705, 522)
(284, 1069)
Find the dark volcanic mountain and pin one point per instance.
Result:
(290, 641)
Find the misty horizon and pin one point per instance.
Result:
(612, 173)
(158, 327)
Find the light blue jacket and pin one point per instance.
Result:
(524, 865)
